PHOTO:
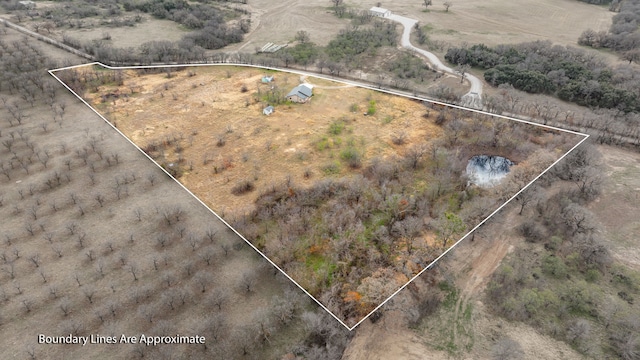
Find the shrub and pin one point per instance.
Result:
(592, 275)
(554, 266)
(372, 107)
(336, 127)
(399, 138)
(532, 231)
(331, 168)
(242, 187)
(352, 157)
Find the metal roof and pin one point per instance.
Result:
(378, 10)
(303, 90)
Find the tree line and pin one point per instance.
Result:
(623, 36)
(540, 67)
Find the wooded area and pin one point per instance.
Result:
(564, 280)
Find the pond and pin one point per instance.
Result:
(487, 170)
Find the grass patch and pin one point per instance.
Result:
(336, 127)
(332, 168)
(352, 157)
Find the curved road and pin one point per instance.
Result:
(473, 98)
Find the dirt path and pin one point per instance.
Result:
(389, 338)
(473, 98)
(483, 266)
(304, 79)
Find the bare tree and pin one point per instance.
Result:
(65, 306)
(89, 294)
(57, 250)
(219, 297)
(447, 5)
(133, 269)
(207, 256)
(35, 259)
(53, 291)
(248, 281)
(531, 195)
(203, 279)
(26, 303)
(138, 213)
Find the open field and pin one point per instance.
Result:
(132, 37)
(491, 22)
(205, 126)
(618, 206)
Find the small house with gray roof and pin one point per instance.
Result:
(300, 94)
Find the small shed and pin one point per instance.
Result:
(268, 110)
(267, 79)
(300, 94)
(380, 12)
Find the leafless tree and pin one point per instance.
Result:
(74, 198)
(30, 229)
(35, 259)
(169, 279)
(81, 240)
(89, 294)
(133, 269)
(415, 154)
(57, 250)
(90, 255)
(148, 312)
(151, 177)
(65, 306)
(26, 303)
(100, 268)
(77, 279)
(219, 297)
(207, 256)
(18, 287)
(72, 228)
(53, 291)
(211, 235)
(10, 269)
(531, 195)
(100, 199)
(138, 213)
(248, 281)
(203, 279)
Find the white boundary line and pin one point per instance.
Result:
(348, 82)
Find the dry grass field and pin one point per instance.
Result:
(617, 208)
(132, 37)
(226, 138)
(491, 22)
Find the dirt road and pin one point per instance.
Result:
(473, 98)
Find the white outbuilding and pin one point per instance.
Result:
(380, 12)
